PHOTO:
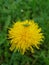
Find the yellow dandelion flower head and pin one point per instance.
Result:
(25, 35)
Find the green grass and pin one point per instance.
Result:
(14, 10)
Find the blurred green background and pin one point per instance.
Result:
(14, 10)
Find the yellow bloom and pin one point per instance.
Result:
(25, 35)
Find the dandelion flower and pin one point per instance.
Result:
(25, 36)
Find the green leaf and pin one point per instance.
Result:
(2, 38)
(7, 22)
